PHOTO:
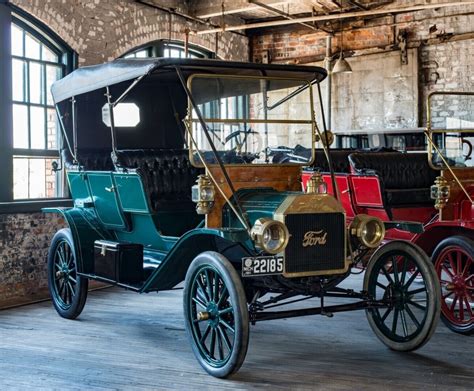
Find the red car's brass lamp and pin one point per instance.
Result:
(440, 192)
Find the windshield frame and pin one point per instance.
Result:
(189, 120)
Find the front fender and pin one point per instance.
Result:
(174, 266)
(85, 229)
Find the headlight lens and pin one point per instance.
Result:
(370, 231)
(270, 235)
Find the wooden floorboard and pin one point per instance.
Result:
(124, 340)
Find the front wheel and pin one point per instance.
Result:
(401, 275)
(453, 261)
(216, 314)
(67, 289)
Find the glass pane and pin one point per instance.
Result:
(52, 127)
(20, 126)
(48, 55)
(32, 47)
(17, 41)
(175, 53)
(166, 53)
(51, 179)
(141, 54)
(18, 80)
(34, 178)
(52, 74)
(20, 178)
(37, 128)
(37, 178)
(36, 92)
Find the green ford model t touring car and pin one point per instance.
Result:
(176, 174)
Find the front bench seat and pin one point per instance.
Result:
(167, 176)
(405, 178)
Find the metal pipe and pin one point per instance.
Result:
(74, 130)
(112, 122)
(346, 15)
(328, 66)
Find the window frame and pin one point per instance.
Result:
(9, 15)
(157, 49)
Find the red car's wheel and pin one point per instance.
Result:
(453, 260)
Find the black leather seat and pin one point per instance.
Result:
(339, 157)
(405, 178)
(89, 160)
(167, 176)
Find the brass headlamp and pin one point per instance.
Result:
(440, 192)
(203, 194)
(368, 230)
(270, 235)
(316, 184)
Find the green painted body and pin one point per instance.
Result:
(113, 206)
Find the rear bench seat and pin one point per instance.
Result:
(167, 176)
(405, 178)
(89, 160)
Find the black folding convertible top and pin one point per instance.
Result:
(91, 78)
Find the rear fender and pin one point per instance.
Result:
(173, 269)
(85, 229)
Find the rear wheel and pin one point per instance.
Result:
(216, 314)
(413, 299)
(67, 289)
(453, 260)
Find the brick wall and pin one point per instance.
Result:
(24, 240)
(99, 31)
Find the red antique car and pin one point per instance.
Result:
(435, 187)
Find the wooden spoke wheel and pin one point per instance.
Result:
(401, 275)
(453, 260)
(67, 289)
(216, 314)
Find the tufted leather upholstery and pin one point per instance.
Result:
(167, 175)
(339, 158)
(405, 177)
(89, 159)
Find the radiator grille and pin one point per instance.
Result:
(313, 229)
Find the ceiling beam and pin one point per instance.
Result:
(357, 4)
(244, 7)
(345, 15)
(281, 13)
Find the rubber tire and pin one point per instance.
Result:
(468, 245)
(433, 291)
(80, 297)
(237, 294)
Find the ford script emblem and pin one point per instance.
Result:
(313, 238)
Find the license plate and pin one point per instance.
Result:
(262, 266)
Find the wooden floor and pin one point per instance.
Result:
(124, 340)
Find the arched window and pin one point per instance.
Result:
(165, 48)
(36, 59)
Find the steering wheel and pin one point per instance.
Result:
(244, 139)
